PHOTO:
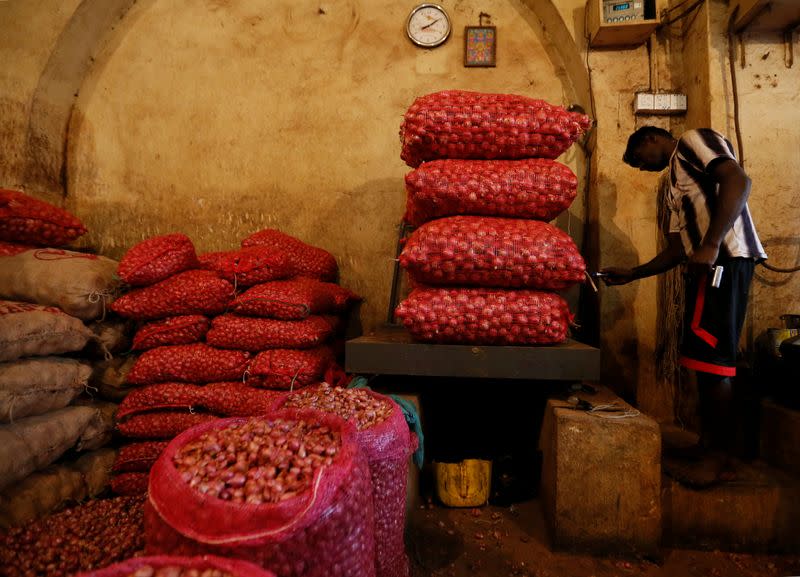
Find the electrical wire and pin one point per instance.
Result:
(734, 86)
(673, 8)
(588, 49)
(778, 269)
(683, 14)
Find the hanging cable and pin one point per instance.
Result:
(734, 86)
(768, 266)
(683, 14)
(673, 8)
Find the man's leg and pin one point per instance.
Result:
(717, 414)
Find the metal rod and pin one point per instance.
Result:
(396, 274)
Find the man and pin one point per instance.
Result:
(709, 226)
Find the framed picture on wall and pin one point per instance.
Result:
(480, 46)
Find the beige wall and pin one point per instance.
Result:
(218, 117)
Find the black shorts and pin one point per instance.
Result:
(713, 318)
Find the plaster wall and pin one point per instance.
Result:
(30, 30)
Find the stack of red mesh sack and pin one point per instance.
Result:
(484, 263)
(222, 334)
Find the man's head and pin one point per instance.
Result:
(649, 148)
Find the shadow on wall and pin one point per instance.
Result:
(364, 242)
(620, 362)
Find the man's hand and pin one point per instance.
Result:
(703, 259)
(618, 275)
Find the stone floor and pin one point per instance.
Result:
(512, 542)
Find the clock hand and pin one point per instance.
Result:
(431, 24)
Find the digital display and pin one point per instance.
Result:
(622, 6)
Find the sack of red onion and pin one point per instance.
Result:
(180, 330)
(195, 363)
(485, 316)
(290, 368)
(289, 491)
(533, 188)
(28, 220)
(228, 399)
(194, 292)
(165, 424)
(293, 299)
(305, 260)
(492, 252)
(138, 457)
(166, 566)
(258, 334)
(248, 266)
(385, 440)
(157, 259)
(459, 124)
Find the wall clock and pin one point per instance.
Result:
(428, 25)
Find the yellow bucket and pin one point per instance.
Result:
(464, 484)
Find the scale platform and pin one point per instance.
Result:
(391, 351)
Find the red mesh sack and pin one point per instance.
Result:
(290, 368)
(138, 457)
(194, 292)
(11, 249)
(492, 252)
(197, 363)
(248, 266)
(532, 188)
(239, 400)
(232, 399)
(257, 334)
(384, 437)
(161, 424)
(129, 484)
(472, 125)
(182, 330)
(293, 299)
(322, 530)
(27, 220)
(157, 259)
(305, 260)
(180, 567)
(485, 316)
(161, 396)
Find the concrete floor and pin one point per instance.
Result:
(513, 542)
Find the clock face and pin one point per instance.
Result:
(428, 25)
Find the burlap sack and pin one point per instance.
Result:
(35, 386)
(109, 378)
(28, 330)
(31, 444)
(79, 284)
(100, 429)
(112, 337)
